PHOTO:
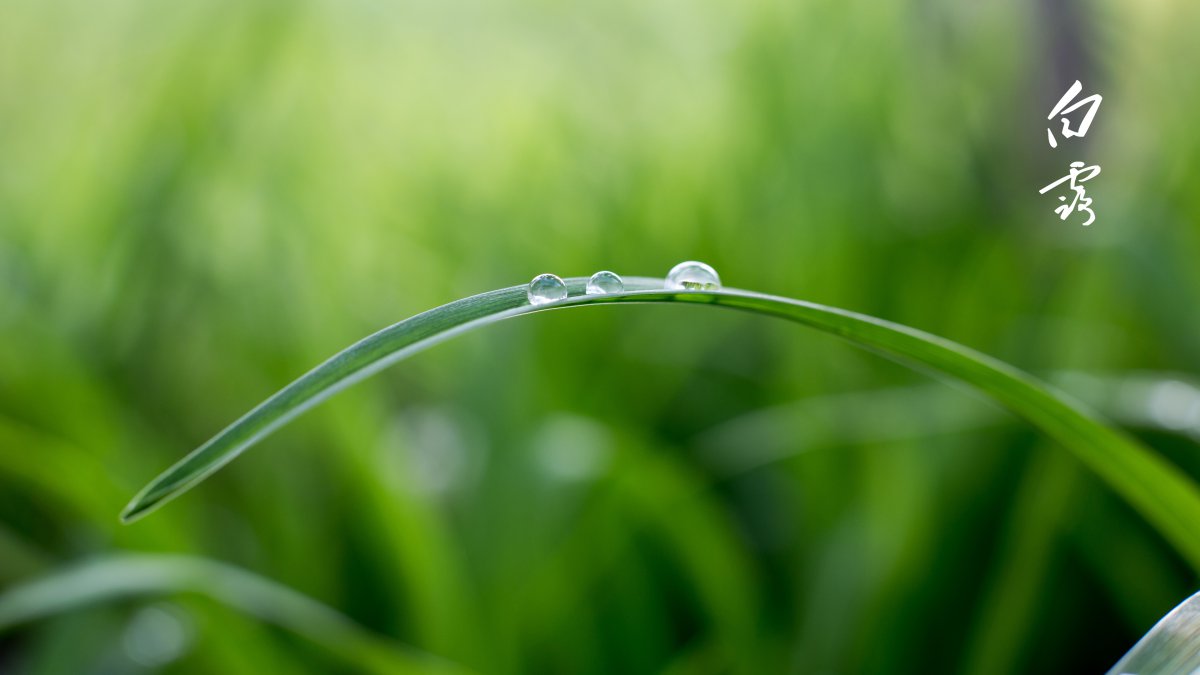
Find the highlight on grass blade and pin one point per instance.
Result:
(1171, 646)
(1164, 495)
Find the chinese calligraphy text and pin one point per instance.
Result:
(1079, 172)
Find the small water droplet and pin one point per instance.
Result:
(605, 282)
(546, 288)
(693, 276)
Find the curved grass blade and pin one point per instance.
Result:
(1163, 494)
(1171, 646)
(763, 436)
(120, 576)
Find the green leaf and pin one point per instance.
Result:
(120, 576)
(1172, 646)
(1163, 494)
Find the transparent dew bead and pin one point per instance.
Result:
(546, 288)
(692, 276)
(605, 282)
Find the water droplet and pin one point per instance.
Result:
(693, 276)
(605, 282)
(546, 288)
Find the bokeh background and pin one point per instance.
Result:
(199, 201)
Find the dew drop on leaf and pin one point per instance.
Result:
(605, 282)
(546, 288)
(693, 276)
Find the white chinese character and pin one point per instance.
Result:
(1093, 101)
(1081, 202)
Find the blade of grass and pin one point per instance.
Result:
(1172, 646)
(767, 435)
(125, 575)
(1022, 566)
(1163, 494)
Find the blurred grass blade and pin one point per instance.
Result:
(1163, 494)
(763, 436)
(121, 576)
(1172, 646)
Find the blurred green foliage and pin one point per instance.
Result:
(200, 201)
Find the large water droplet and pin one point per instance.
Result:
(546, 288)
(605, 282)
(693, 276)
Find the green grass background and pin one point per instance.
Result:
(200, 201)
